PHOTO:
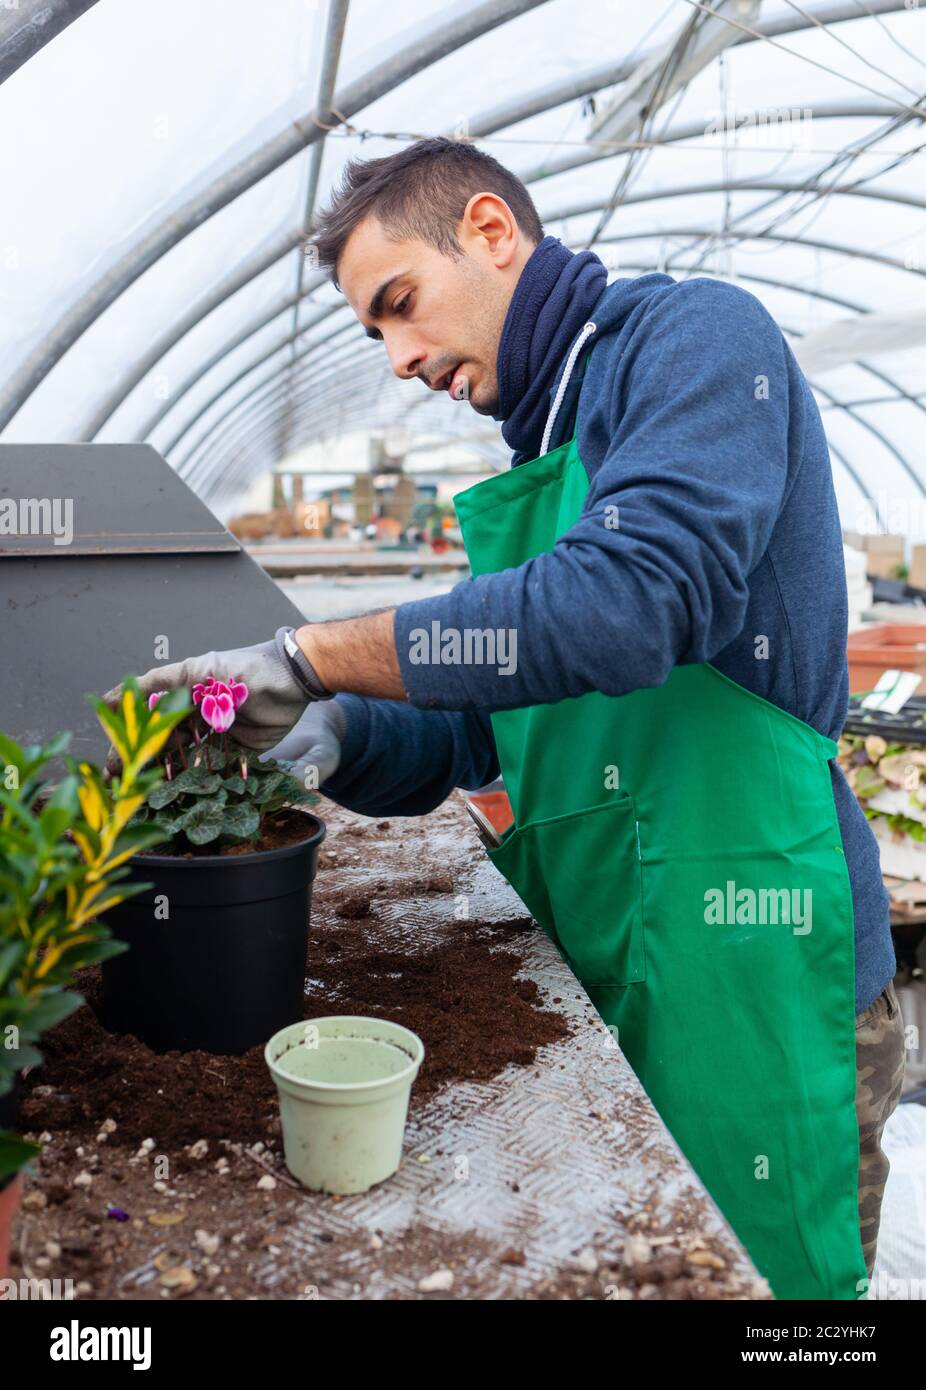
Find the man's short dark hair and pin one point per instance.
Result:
(422, 193)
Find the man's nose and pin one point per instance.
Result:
(405, 356)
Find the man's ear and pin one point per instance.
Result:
(490, 226)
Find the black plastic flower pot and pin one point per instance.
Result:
(217, 948)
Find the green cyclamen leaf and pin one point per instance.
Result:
(168, 825)
(300, 796)
(204, 821)
(242, 821)
(198, 781)
(163, 794)
(261, 788)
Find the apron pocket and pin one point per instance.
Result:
(580, 876)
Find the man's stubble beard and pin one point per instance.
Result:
(488, 396)
(486, 308)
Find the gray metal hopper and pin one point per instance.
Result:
(104, 551)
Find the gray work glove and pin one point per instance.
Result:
(311, 751)
(275, 700)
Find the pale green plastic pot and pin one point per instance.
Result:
(344, 1084)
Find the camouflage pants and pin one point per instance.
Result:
(879, 1065)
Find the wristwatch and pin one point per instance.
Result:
(300, 666)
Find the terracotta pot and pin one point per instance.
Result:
(9, 1205)
(885, 647)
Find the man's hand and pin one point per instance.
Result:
(275, 700)
(356, 654)
(314, 745)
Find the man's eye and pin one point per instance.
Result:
(403, 304)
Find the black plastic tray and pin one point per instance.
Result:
(908, 726)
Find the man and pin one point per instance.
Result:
(652, 649)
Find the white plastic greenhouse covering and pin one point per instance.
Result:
(161, 162)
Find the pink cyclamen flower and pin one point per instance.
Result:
(203, 688)
(218, 709)
(218, 687)
(153, 699)
(236, 689)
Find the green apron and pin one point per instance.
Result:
(681, 847)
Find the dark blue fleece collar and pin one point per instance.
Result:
(553, 298)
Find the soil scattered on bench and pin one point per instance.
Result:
(462, 998)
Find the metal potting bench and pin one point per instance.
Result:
(560, 1162)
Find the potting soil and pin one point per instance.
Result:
(462, 998)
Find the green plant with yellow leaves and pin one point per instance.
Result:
(63, 864)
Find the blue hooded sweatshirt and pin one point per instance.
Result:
(697, 423)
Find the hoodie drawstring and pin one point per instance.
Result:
(586, 332)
